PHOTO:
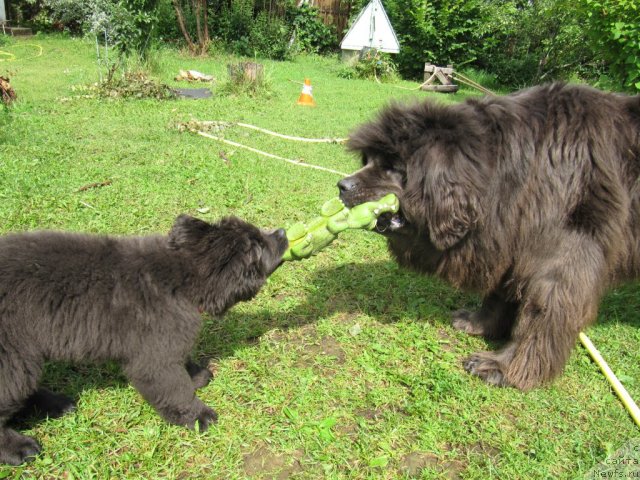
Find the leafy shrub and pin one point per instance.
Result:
(373, 65)
(537, 42)
(311, 35)
(269, 37)
(523, 43)
(126, 24)
(614, 26)
(246, 35)
(438, 31)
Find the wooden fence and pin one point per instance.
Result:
(335, 13)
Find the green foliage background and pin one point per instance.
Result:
(614, 26)
(520, 42)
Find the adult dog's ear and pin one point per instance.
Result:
(187, 230)
(444, 187)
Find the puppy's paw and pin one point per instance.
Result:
(487, 367)
(206, 417)
(16, 449)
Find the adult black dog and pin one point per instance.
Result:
(133, 300)
(531, 199)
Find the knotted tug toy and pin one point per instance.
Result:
(308, 239)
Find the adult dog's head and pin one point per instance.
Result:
(232, 258)
(433, 158)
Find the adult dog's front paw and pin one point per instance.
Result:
(206, 417)
(15, 449)
(487, 367)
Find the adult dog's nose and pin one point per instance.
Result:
(347, 184)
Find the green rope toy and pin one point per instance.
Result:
(308, 239)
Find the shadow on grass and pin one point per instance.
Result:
(380, 290)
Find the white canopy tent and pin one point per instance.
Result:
(372, 29)
(3, 12)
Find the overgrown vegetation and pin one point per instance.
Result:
(246, 78)
(372, 65)
(345, 365)
(126, 24)
(131, 85)
(521, 43)
(614, 26)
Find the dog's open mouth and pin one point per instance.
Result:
(390, 222)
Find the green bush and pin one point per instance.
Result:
(248, 29)
(523, 43)
(125, 24)
(244, 34)
(269, 37)
(311, 35)
(614, 26)
(373, 65)
(540, 41)
(439, 31)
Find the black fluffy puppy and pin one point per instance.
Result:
(134, 300)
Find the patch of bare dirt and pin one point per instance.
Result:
(325, 346)
(412, 465)
(263, 463)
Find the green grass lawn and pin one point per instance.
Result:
(344, 366)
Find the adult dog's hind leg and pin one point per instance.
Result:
(494, 320)
(561, 297)
(48, 403)
(170, 390)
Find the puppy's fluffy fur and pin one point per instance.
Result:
(532, 199)
(134, 300)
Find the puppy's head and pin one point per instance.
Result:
(432, 158)
(232, 258)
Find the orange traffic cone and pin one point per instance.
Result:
(306, 97)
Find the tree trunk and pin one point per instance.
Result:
(199, 9)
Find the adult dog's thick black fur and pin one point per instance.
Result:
(134, 300)
(532, 199)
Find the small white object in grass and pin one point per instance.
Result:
(355, 330)
(203, 210)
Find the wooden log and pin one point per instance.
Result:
(444, 79)
(430, 68)
(440, 88)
